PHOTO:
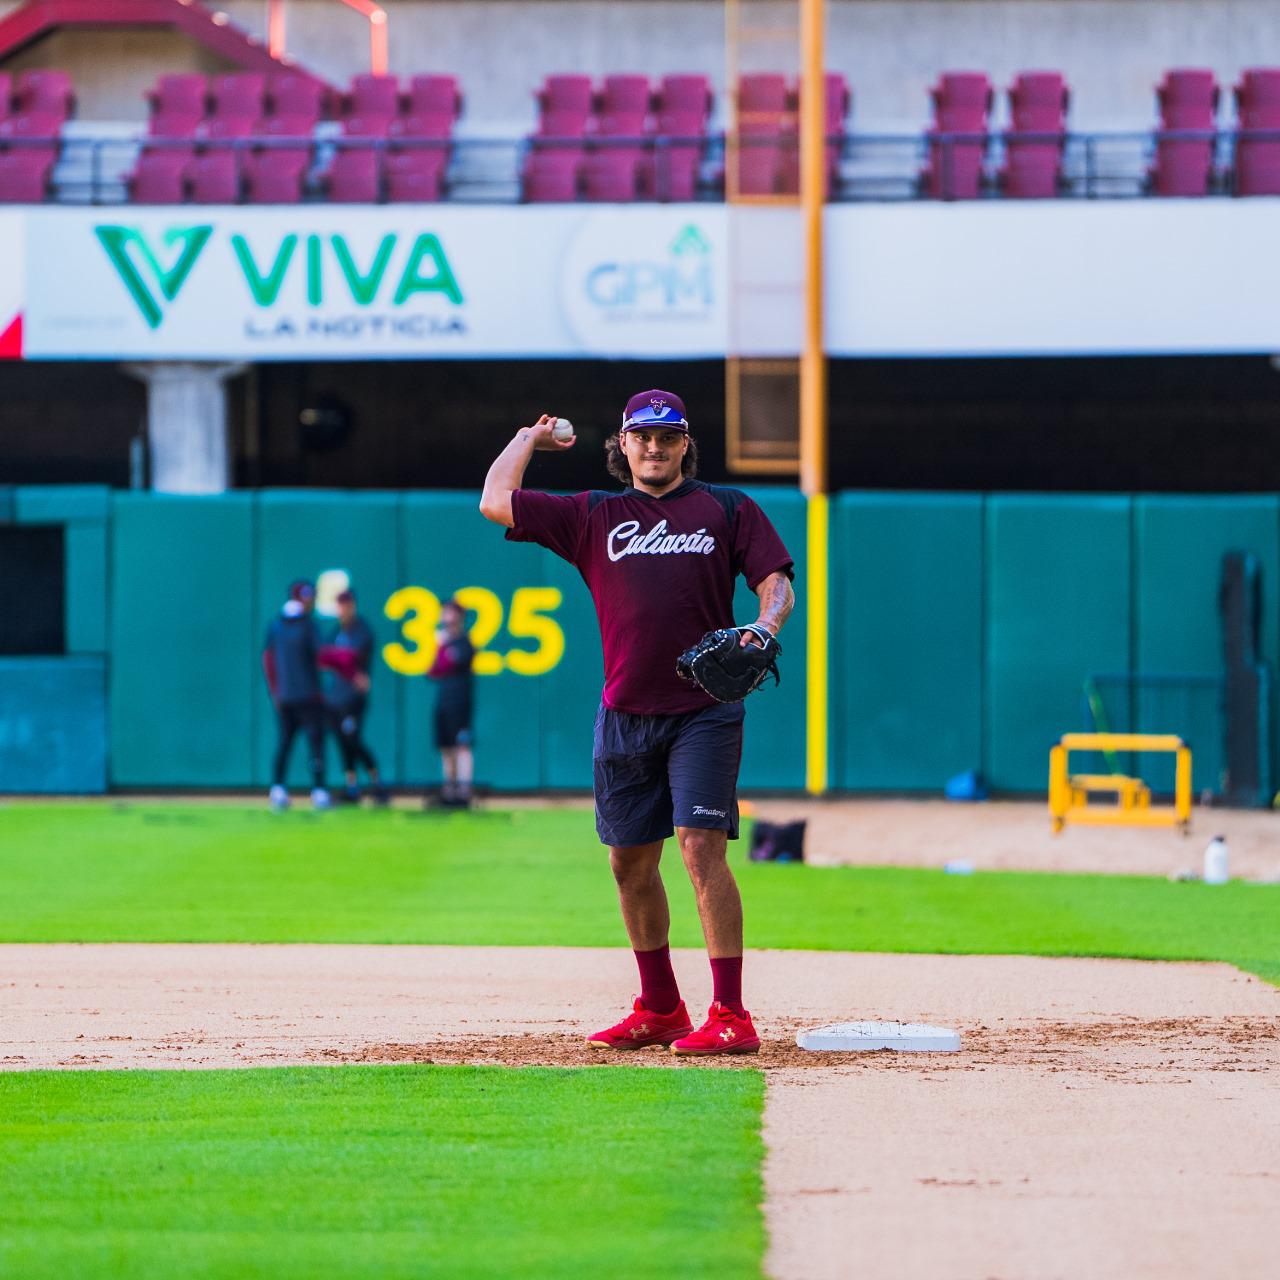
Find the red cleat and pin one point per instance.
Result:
(642, 1027)
(723, 1032)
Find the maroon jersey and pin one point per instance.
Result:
(661, 572)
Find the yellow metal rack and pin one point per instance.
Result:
(1069, 793)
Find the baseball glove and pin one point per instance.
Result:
(726, 668)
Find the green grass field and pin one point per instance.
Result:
(121, 872)
(380, 1172)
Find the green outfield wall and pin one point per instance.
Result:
(962, 628)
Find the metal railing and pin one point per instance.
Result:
(866, 166)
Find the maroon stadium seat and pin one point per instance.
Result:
(24, 176)
(433, 98)
(551, 175)
(961, 104)
(354, 175)
(1257, 159)
(565, 107)
(1037, 135)
(682, 93)
(624, 95)
(418, 173)
(839, 99)
(6, 95)
(295, 98)
(416, 176)
(160, 176)
(669, 171)
(1188, 99)
(240, 95)
(612, 175)
(179, 97)
(1182, 167)
(374, 97)
(43, 93)
(213, 177)
(762, 94)
(275, 174)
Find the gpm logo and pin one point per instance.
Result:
(681, 283)
(151, 283)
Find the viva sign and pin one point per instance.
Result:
(155, 269)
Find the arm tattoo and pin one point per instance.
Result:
(776, 601)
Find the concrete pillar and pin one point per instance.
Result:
(187, 424)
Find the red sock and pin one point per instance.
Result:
(658, 990)
(726, 982)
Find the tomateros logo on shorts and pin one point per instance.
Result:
(291, 284)
(637, 279)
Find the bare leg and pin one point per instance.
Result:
(641, 894)
(449, 766)
(719, 902)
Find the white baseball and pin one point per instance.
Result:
(561, 429)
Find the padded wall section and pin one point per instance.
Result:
(1179, 543)
(53, 725)
(183, 655)
(1058, 592)
(447, 548)
(303, 534)
(906, 639)
(83, 511)
(773, 752)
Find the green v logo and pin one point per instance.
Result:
(165, 281)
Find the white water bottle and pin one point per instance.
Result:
(1215, 861)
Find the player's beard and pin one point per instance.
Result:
(669, 470)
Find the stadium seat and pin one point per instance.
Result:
(6, 95)
(433, 98)
(416, 177)
(611, 175)
(160, 176)
(419, 173)
(43, 93)
(275, 174)
(240, 95)
(1036, 137)
(762, 96)
(685, 94)
(1257, 158)
(373, 97)
(175, 100)
(214, 178)
(565, 106)
(766, 128)
(839, 100)
(295, 98)
(624, 95)
(961, 104)
(1188, 99)
(354, 175)
(24, 176)
(551, 175)
(1182, 167)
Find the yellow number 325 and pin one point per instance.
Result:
(418, 612)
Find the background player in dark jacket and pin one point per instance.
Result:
(347, 695)
(291, 660)
(660, 559)
(452, 673)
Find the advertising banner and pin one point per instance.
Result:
(1053, 277)
(409, 282)
(12, 274)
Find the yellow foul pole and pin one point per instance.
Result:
(813, 383)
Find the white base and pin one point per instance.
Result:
(908, 1037)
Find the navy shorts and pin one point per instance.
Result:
(453, 727)
(656, 773)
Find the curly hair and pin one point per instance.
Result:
(616, 460)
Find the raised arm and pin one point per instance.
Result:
(509, 466)
(776, 602)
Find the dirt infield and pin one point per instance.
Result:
(1014, 835)
(1104, 1118)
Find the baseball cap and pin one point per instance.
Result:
(655, 409)
(302, 590)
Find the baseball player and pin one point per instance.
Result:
(451, 672)
(660, 558)
(347, 696)
(291, 663)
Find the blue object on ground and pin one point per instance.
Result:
(966, 786)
